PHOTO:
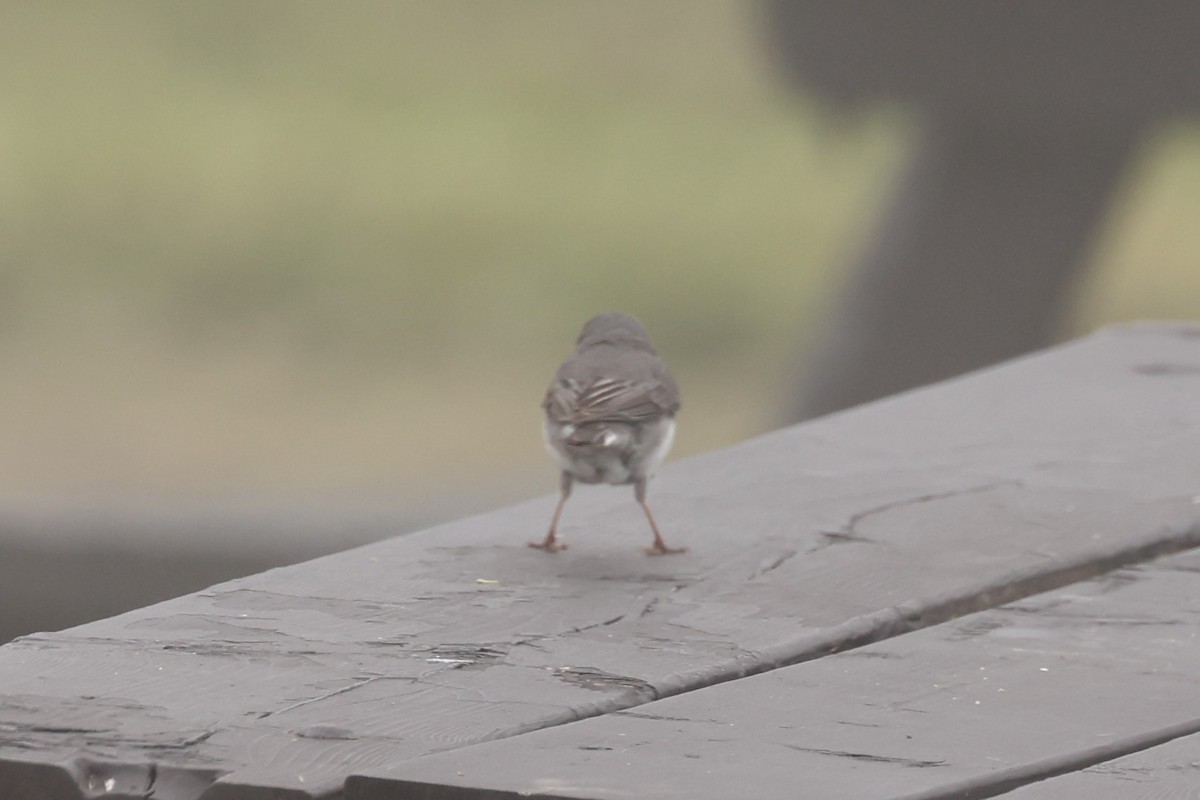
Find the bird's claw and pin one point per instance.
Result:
(659, 549)
(549, 547)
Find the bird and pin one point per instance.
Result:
(610, 416)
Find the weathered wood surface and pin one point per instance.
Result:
(1168, 772)
(811, 540)
(968, 709)
(59, 556)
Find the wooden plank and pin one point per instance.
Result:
(1169, 770)
(830, 534)
(968, 709)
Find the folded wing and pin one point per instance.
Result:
(606, 400)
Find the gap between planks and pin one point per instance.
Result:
(909, 617)
(1009, 780)
(973, 787)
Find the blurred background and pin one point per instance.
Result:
(280, 277)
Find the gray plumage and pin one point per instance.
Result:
(610, 414)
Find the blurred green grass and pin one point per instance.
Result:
(308, 247)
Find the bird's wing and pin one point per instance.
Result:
(605, 400)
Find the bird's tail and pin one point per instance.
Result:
(594, 435)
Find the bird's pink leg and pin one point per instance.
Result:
(659, 548)
(550, 543)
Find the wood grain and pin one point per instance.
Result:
(968, 709)
(806, 542)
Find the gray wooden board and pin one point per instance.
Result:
(970, 708)
(1171, 770)
(841, 531)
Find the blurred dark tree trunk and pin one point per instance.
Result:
(973, 262)
(1033, 113)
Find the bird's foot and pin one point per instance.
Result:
(661, 549)
(549, 545)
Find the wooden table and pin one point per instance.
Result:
(956, 592)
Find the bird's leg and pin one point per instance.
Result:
(550, 544)
(659, 548)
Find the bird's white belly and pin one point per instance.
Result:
(622, 459)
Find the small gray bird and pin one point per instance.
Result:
(610, 415)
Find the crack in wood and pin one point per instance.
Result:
(593, 625)
(776, 563)
(598, 679)
(301, 703)
(465, 654)
(664, 717)
(849, 531)
(190, 742)
(23, 728)
(904, 762)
